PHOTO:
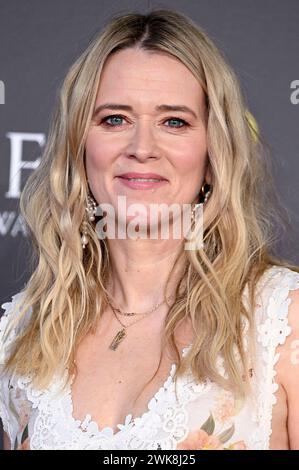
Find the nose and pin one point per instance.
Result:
(143, 144)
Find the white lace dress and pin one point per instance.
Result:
(201, 415)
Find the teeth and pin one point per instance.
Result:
(143, 179)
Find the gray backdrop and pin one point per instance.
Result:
(39, 40)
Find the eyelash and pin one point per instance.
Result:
(104, 121)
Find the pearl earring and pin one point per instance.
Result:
(206, 197)
(91, 212)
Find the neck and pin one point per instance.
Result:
(139, 271)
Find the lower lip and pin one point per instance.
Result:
(142, 184)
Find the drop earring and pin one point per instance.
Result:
(91, 212)
(203, 194)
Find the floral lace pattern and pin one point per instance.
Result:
(198, 416)
(272, 330)
(165, 414)
(14, 409)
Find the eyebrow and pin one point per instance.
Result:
(161, 108)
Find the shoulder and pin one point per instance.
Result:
(277, 278)
(11, 304)
(273, 292)
(15, 404)
(9, 325)
(280, 291)
(288, 340)
(279, 333)
(276, 319)
(289, 349)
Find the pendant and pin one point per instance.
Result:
(117, 339)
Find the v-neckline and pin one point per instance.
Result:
(129, 422)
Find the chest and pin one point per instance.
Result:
(109, 384)
(176, 419)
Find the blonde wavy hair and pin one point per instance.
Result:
(66, 291)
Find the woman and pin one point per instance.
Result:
(151, 112)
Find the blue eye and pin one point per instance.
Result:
(114, 116)
(178, 120)
(119, 117)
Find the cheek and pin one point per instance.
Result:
(98, 166)
(98, 154)
(190, 159)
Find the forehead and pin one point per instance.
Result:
(133, 73)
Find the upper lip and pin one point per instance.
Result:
(141, 175)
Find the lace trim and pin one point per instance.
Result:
(272, 332)
(164, 413)
(9, 308)
(48, 401)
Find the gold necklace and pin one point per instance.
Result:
(121, 334)
(131, 314)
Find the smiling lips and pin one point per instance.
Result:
(142, 180)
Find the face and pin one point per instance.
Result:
(143, 137)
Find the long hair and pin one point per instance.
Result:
(66, 291)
